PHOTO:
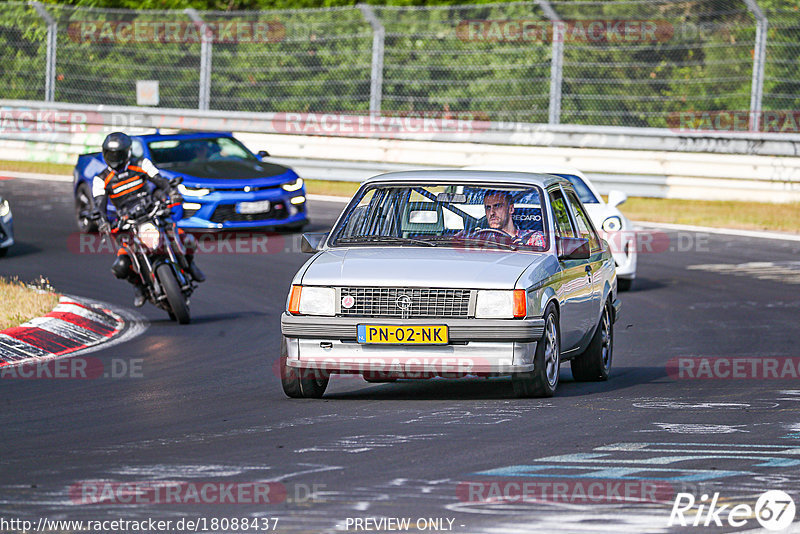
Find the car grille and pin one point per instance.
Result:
(392, 302)
(227, 213)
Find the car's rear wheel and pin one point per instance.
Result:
(543, 380)
(595, 362)
(84, 205)
(624, 284)
(301, 383)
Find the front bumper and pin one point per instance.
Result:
(477, 347)
(217, 210)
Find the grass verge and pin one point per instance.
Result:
(716, 213)
(21, 302)
(720, 214)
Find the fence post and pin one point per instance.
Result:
(205, 58)
(557, 62)
(376, 77)
(50, 59)
(759, 63)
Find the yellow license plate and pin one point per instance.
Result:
(402, 335)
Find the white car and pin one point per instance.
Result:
(606, 217)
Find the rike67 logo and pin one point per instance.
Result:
(774, 510)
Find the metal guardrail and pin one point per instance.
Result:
(642, 162)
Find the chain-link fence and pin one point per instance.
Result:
(615, 62)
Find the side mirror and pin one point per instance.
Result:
(263, 154)
(311, 243)
(573, 248)
(615, 198)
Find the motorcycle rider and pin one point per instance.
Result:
(124, 182)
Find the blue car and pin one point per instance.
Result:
(225, 186)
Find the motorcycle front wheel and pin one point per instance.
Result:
(175, 298)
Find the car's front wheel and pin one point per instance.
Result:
(595, 362)
(543, 380)
(84, 206)
(301, 383)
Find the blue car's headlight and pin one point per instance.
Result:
(192, 192)
(5, 209)
(293, 186)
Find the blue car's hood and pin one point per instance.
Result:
(229, 174)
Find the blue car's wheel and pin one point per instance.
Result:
(84, 205)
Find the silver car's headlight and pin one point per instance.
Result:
(612, 224)
(503, 304)
(310, 300)
(149, 235)
(293, 186)
(5, 209)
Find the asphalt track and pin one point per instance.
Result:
(207, 405)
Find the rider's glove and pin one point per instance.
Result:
(104, 227)
(175, 197)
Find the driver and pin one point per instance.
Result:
(123, 181)
(499, 208)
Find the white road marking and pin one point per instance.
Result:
(784, 271)
(682, 428)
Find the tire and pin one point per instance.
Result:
(84, 203)
(594, 363)
(175, 298)
(301, 383)
(543, 380)
(624, 284)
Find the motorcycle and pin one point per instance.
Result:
(157, 256)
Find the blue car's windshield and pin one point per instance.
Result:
(584, 193)
(170, 151)
(480, 215)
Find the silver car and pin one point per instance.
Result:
(453, 273)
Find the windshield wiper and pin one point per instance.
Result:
(383, 239)
(473, 240)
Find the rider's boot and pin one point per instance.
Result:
(195, 271)
(138, 295)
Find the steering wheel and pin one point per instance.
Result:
(491, 230)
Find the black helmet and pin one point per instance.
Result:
(117, 150)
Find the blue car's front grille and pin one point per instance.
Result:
(227, 213)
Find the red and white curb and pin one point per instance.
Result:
(75, 325)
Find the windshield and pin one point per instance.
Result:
(584, 193)
(172, 151)
(482, 216)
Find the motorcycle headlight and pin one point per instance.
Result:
(192, 192)
(293, 186)
(501, 304)
(149, 235)
(612, 224)
(5, 209)
(310, 300)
